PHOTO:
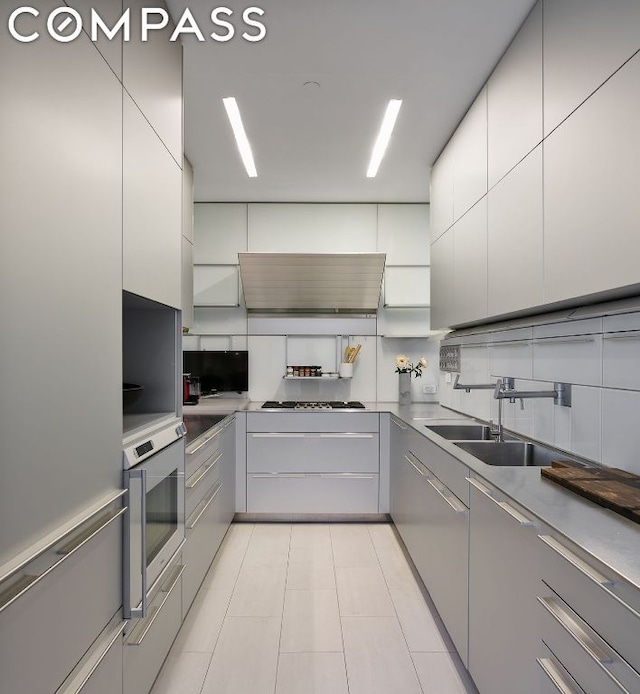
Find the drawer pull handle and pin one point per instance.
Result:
(78, 683)
(346, 476)
(194, 480)
(623, 336)
(576, 562)
(576, 630)
(504, 505)
(17, 586)
(305, 475)
(274, 435)
(206, 441)
(399, 425)
(552, 672)
(511, 343)
(563, 341)
(457, 507)
(414, 466)
(345, 435)
(143, 627)
(193, 520)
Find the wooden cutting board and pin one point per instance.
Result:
(612, 488)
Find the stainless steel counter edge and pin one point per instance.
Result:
(608, 537)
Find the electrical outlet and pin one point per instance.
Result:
(429, 388)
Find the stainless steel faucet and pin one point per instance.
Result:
(505, 390)
(472, 386)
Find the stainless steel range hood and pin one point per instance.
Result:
(312, 282)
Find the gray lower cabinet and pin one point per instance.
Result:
(313, 463)
(503, 582)
(434, 525)
(56, 606)
(209, 504)
(589, 621)
(148, 640)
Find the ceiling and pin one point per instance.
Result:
(312, 144)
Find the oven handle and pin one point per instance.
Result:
(135, 612)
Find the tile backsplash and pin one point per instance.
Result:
(599, 357)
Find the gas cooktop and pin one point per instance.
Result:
(305, 405)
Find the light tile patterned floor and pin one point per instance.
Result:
(311, 609)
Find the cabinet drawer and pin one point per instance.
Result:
(76, 600)
(621, 360)
(149, 639)
(313, 421)
(312, 493)
(574, 359)
(594, 665)
(599, 597)
(312, 452)
(205, 529)
(202, 449)
(200, 483)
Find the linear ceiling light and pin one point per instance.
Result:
(233, 113)
(384, 135)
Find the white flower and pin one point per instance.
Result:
(401, 361)
(423, 362)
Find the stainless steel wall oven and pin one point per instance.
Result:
(154, 522)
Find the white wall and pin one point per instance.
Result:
(599, 357)
(401, 231)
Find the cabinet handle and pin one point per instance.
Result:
(78, 683)
(283, 475)
(274, 435)
(414, 466)
(457, 507)
(206, 441)
(625, 336)
(304, 475)
(504, 505)
(398, 424)
(563, 340)
(576, 631)
(17, 587)
(576, 562)
(192, 522)
(551, 671)
(191, 482)
(346, 476)
(511, 343)
(345, 435)
(144, 627)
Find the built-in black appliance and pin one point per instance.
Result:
(310, 405)
(218, 371)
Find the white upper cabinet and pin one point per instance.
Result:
(152, 74)
(442, 281)
(312, 228)
(152, 213)
(470, 157)
(403, 234)
(515, 238)
(514, 100)
(187, 200)
(470, 265)
(441, 194)
(407, 286)
(110, 12)
(220, 232)
(591, 201)
(585, 42)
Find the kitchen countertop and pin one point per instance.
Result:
(610, 538)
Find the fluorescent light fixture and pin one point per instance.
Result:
(233, 113)
(384, 135)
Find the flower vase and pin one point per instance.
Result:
(404, 383)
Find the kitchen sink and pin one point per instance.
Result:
(511, 453)
(464, 432)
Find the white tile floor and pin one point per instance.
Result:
(310, 609)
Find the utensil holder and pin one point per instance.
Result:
(345, 370)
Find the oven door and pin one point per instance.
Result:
(154, 527)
